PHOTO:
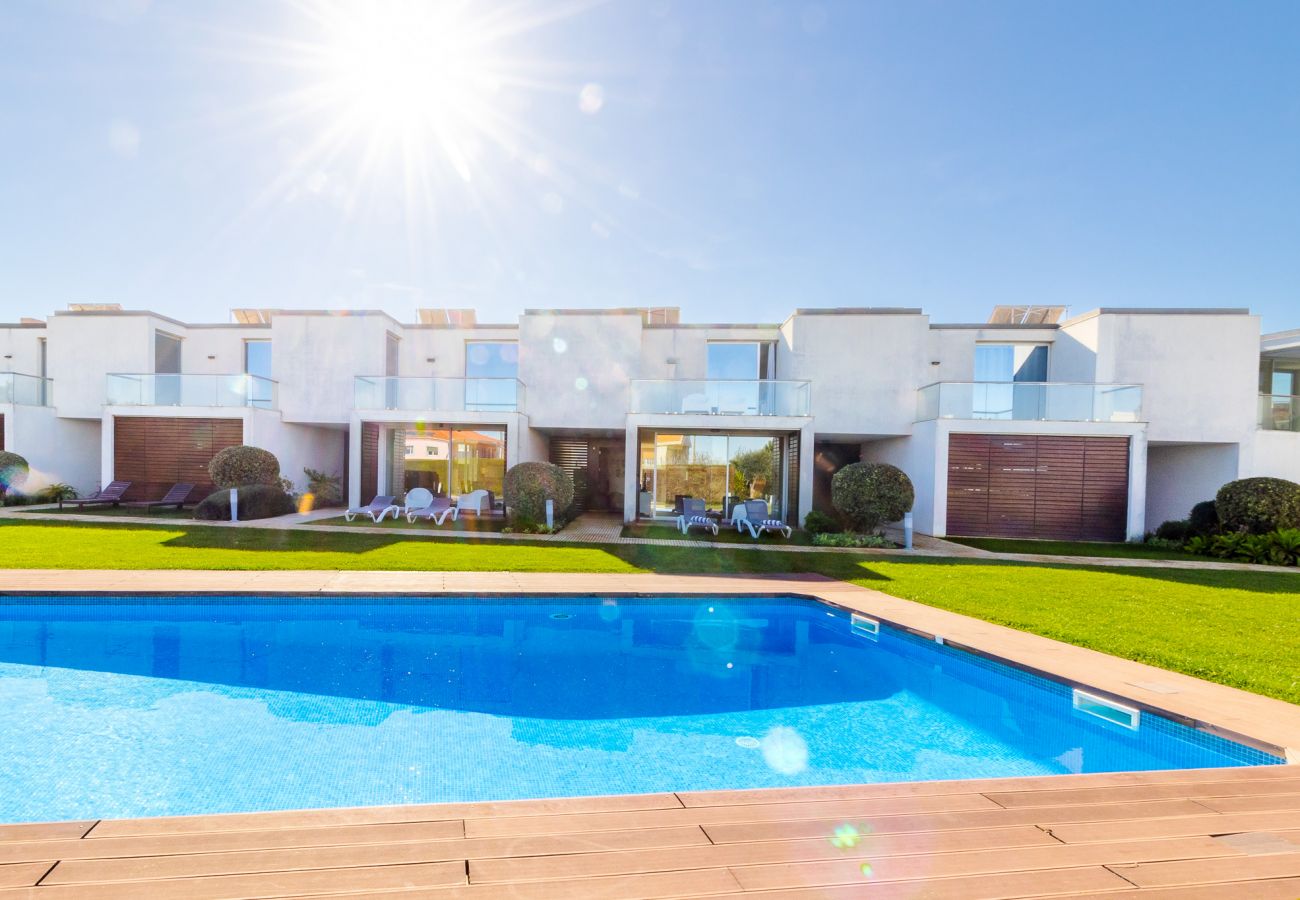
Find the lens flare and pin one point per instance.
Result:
(785, 751)
(846, 837)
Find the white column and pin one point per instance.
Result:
(105, 450)
(1137, 486)
(354, 463)
(631, 463)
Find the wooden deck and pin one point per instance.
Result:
(1214, 833)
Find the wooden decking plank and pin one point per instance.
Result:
(987, 862)
(1137, 792)
(44, 831)
(1141, 829)
(23, 874)
(1038, 783)
(657, 886)
(1097, 881)
(127, 868)
(718, 855)
(223, 841)
(981, 818)
(1270, 889)
(376, 815)
(1240, 868)
(259, 887)
(1263, 803)
(559, 824)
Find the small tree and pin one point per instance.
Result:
(241, 466)
(529, 485)
(13, 472)
(867, 494)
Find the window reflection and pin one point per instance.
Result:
(720, 469)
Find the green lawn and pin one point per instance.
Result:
(1202, 622)
(461, 524)
(1074, 548)
(665, 531)
(126, 512)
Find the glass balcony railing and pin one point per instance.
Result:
(25, 390)
(128, 389)
(1030, 401)
(1279, 412)
(433, 394)
(721, 398)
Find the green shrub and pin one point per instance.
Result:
(1174, 530)
(851, 539)
(256, 501)
(325, 489)
(244, 465)
(867, 494)
(529, 485)
(1258, 505)
(56, 493)
(1275, 548)
(13, 472)
(1204, 518)
(1160, 543)
(817, 522)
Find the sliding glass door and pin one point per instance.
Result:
(720, 469)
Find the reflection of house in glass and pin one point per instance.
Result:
(722, 469)
(449, 460)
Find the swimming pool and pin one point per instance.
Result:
(139, 706)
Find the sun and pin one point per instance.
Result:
(401, 75)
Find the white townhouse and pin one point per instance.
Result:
(1100, 426)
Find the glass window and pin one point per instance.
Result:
(167, 369)
(491, 368)
(257, 362)
(455, 461)
(490, 359)
(1010, 362)
(740, 360)
(166, 353)
(257, 358)
(719, 469)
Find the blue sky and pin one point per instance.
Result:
(737, 158)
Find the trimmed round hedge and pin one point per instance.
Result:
(529, 485)
(256, 501)
(13, 471)
(867, 494)
(244, 465)
(1258, 505)
(1204, 517)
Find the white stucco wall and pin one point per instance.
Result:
(865, 369)
(916, 456)
(20, 348)
(316, 357)
(1199, 372)
(297, 446)
(576, 369)
(58, 450)
(1275, 454)
(1181, 475)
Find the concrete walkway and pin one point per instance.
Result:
(603, 528)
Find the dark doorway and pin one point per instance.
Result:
(827, 460)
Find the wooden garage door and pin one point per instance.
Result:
(1038, 486)
(156, 453)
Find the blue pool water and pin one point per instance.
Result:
(115, 707)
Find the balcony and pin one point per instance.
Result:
(1279, 412)
(438, 394)
(136, 389)
(1030, 401)
(721, 398)
(25, 390)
